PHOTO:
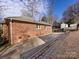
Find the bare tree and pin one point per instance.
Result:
(50, 9)
(1, 10)
(71, 15)
(44, 19)
(30, 8)
(3, 7)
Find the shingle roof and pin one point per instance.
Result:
(26, 19)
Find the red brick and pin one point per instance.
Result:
(23, 30)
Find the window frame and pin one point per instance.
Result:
(38, 26)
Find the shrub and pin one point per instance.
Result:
(1, 32)
(1, 41)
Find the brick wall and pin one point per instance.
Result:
(6, 31)
(23, 30)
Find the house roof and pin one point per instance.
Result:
(26, 19)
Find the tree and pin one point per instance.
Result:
(55, 24)
(36, 8)
(71, 14)
(2, 8)
(50, 12)
(9, 7)
(30, 8)
(44, 19)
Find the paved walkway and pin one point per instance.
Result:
(15, 51)
(46, 50)
(67, 48)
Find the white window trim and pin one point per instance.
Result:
(38, 26)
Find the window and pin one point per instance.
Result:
(38, 26)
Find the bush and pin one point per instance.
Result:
(1, 31)
(1, 41)
(1, 38)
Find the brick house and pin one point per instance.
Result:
(18, 29)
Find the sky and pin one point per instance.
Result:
(15, 7)
(61, 5)
(11, 8)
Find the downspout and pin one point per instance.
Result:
(10, 25)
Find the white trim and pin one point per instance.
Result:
(38, 26)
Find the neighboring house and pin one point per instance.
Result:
(73, 26)
(18, 29)
(64, 26)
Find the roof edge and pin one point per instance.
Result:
(25, 20)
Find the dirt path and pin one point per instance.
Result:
(68, 48)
